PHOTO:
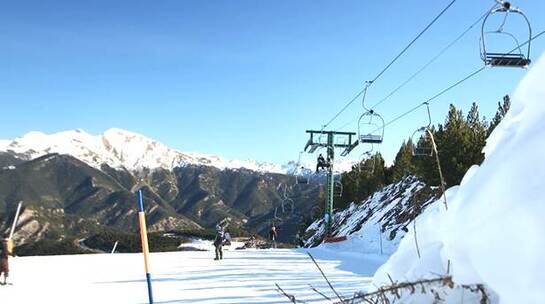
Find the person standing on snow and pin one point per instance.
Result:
(7, 250)
(220, 238)
(273, 234)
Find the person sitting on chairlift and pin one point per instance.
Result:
(322, 163)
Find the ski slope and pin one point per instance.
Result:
(244, 276)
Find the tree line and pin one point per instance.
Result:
(460, 141)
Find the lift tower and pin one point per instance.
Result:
(333, 140)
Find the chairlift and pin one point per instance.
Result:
(370, 128)
(301, 180)
(367, 161)
(425, 146)
(276, 216)
(298, 172)
(519, 56)
(370, 124)
(422, 144)
(337, 189)
(288, 206)
(422, 139)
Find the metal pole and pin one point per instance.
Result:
(380, 239)
(115, 246)
(144, 240)
(15, 220)
(439, 168)
(330, 182)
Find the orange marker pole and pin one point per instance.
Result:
(144, 240)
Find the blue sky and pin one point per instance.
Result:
(242, 79)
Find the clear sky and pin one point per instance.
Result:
(241, 79)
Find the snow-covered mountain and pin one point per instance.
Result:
(124, 149)
(120, 148)
(377, 224)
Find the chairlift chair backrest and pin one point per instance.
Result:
(289, 206)
(367, 163)
(301, 180)
(517, 57)
(337, 189)
(422, 144)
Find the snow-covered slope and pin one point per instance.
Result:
(492, 232)
(377, 224)
(119, 148)
(243, 276)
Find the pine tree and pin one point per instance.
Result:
(500, 113)
(403, 163)
(363, 180)
(479, 133)
(453, 144)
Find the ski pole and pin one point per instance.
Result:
(15, 220)
(144, 240)
(115, 246)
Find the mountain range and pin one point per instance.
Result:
(73, 183)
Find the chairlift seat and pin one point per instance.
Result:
(301, 180)
(371, 138)
(507, 60)
(422, 151)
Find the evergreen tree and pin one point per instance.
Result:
(403, 163)
(459, 140)
(453, 145)
(363, 180)
(500, 113)
(478, 136)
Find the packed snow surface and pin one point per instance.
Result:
(493, 230)
(206, 245)
(243, 276)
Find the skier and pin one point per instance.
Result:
(220, 239)
(273, 234)
(7, 250)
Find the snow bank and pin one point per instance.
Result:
(493, 230)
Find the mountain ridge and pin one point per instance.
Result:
(120, 148)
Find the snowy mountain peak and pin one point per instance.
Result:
(119, 148)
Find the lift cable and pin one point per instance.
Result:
(390, 64)
(424, 67)
(453, 85)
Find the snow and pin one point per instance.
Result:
(243, 276)
(369, 224)
(206, 245)
(122, 149)
(493, 230)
